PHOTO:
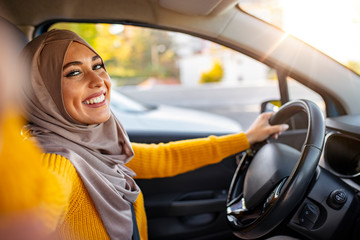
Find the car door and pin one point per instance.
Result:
(191, 205)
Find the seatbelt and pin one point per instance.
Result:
(136, 235)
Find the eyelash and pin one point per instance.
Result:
(100, 65)
(73, 73)
(76, 72)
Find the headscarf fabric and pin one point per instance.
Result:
(98, 152)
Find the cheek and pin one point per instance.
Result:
(67, 102)
(107, 80)
(108, 84)
(70, 95)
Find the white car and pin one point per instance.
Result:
(139, 117)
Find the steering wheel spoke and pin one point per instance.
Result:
(274, 195)
(238, 214)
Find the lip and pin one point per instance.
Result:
(94, 95)
(96, 105)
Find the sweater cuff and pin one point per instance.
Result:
(233, 143)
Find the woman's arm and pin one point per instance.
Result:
(30, 192)
(170, 159)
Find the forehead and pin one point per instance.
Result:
(78, 51)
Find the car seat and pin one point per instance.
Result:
(8, 27)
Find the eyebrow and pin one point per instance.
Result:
(78, 62)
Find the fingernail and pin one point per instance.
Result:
(284, 127)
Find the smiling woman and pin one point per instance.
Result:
(64, 125)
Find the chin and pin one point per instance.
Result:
(101, 120)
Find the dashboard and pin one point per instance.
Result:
(342, 148)
(334, 196)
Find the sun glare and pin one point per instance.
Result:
(332, 26)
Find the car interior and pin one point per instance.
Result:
(305, 184)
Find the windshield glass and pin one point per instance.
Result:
(332, 26)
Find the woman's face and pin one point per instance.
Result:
(85, 85)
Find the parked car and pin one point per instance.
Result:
(308, 188)
(143, 118)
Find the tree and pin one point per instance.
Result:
(133, 53)
(215, 74)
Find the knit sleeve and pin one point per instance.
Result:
(26, 184)
(173, 158)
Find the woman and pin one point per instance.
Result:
(68, 109)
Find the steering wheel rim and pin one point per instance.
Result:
(290, 191)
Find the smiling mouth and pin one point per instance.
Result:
(95, 100)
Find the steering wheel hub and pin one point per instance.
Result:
(272, 163)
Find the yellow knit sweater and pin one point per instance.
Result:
(82, 221)
(27, 186)
(55, 183)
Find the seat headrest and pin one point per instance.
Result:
(18, 35)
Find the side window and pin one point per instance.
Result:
(297, 91)
(158, 67)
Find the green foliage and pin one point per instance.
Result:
(85, 30)
(215, 74)
(136, 53)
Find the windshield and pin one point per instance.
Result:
(332, 26)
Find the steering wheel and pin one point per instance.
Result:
(268, 185)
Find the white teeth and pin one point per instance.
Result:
(95, 100)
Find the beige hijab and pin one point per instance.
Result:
(98, 152)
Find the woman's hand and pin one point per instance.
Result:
(260, 129)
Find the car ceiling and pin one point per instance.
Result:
(34, 12)
(200, 16)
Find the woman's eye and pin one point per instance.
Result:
(73, 73)
(98, 66)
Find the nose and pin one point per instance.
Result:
(95, 80)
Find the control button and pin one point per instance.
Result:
(311, 212)
(337, 199)
(306, 223)
(309, 215)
